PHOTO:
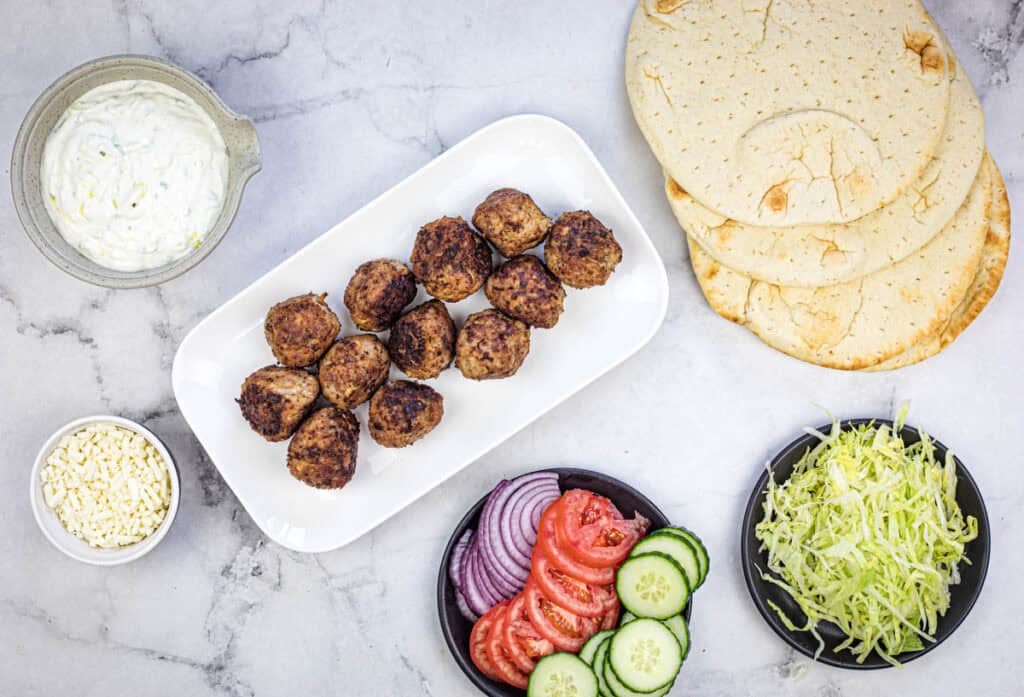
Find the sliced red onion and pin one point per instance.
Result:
(468, 585)
(460, 602)
(521, 547)
(506, 585)
(458, 554)
(492, 528)
(483, 579)
(519, 538)
(529, 520)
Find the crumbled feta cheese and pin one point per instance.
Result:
(108, 485)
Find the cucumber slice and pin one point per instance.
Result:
(620, 690)
(600, 656)
(590, 648)
(652, 585)
(680, 549)
(562, 675)
(698, 546)
(645, 655)
(677, 625)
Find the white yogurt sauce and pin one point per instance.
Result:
(134, 174)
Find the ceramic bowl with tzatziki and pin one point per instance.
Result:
(128, 171)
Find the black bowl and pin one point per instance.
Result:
(964, 595)
(456, 628)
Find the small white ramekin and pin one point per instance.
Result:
(75, 547)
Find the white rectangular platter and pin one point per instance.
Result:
(599, 329)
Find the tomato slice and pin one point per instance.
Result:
(577, 597)
(478, 642)
(565, 630)
(524, 643)
(593, 531)
(547, 544)
(611, 620)
(498, 654)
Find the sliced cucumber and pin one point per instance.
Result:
(677, 625)
(645, 655)
(698, 546)
(562, 675)
(619, 690)
(600, 656)
(590, 648)
(652, 585)
(681, 550)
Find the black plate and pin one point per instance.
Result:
(456, 628)
(964, 595)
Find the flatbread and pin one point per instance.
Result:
(787, 112)
(861, 323)
(986, 282)
(823, 255)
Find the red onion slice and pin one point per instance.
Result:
(492, 525)
(521, 546)
(463, 606)
(483, 579)
(529, 520)
(458, 554)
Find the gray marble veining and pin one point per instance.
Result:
(349, 98)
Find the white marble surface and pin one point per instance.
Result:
(349, 98)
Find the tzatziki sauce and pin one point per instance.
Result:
(134, 174)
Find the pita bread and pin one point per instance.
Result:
(822, 255)
(986, 282)
(861, 323)
(788, 112)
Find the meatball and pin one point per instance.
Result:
(422, 342)
(511, 221)
(524, 289)
(353, 369)
(275, 400)
(581, 251)
(402, 412)
(491, 345)
(323, 452)
(300, 329)
(378, 292)
(450, 259)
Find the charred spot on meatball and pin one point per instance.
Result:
(378, 292)
(275, 400)
(450, 259)
(422, 342)
(524, 289)
(491, 345)
(402, 412)
(300, 329)
(353, 369)
(511, 221)
(323, 452)
(581, 251)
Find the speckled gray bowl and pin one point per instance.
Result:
(238, 132)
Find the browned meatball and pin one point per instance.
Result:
(353, 369)
(402, 412)
(511, 221)
(491, 345)
(378, 292)
(323, 452)
(450, 259)
(581, 251)
(300, 329)
(524, 289)
(422, 342)
(275, 400)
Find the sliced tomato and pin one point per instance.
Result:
(501, 662)
(593, 531)
(577, 597)
(611, 620)
(547, 544)
(478, 642)
(524, 643)
(565, 630)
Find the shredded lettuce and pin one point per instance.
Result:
(866, 533)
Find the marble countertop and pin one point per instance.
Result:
(349, 98)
